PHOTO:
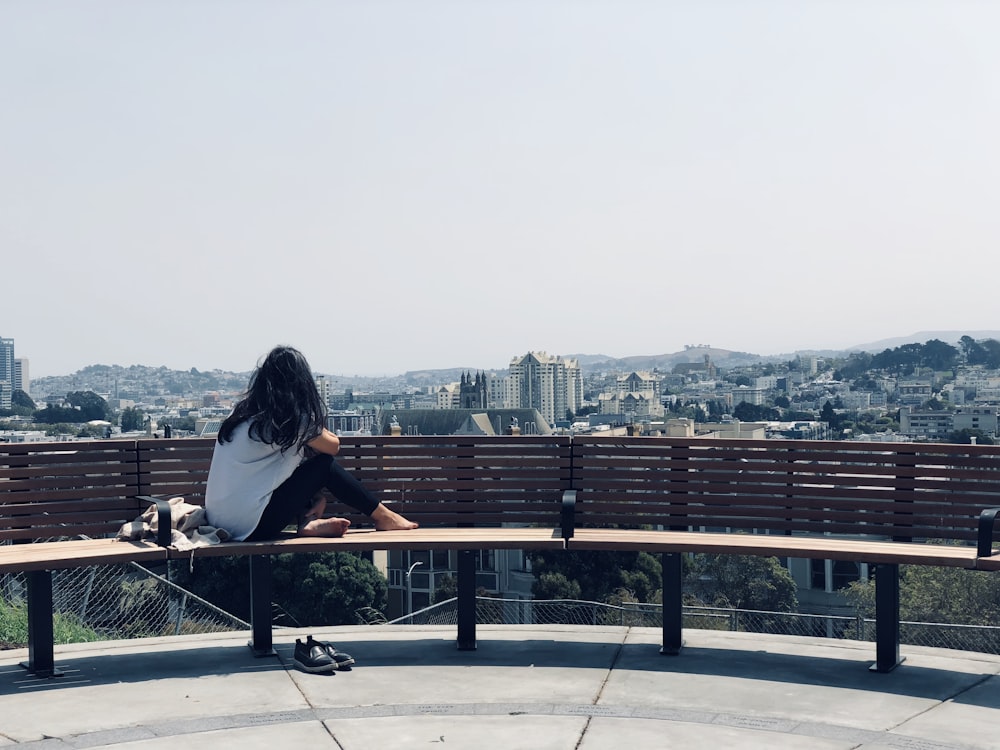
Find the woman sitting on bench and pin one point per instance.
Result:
(274, 454)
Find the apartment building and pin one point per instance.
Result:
(22, 380)
(912, 392)
(938, 424)
(636, 397)
(8, 372)
(551, 385)
(983, 418)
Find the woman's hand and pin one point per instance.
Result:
(325, 442)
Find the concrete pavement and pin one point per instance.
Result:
(526, 687)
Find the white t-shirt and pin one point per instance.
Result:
(243, 474)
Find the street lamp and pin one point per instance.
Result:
(409, 588)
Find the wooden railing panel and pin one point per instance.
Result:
(885, 490)
(51, 490)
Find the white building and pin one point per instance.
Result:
(637, 396)
(982, 418)
(448, 396)
(8, 372)
(552, 385)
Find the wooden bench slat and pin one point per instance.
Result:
(74, 553)
(418, 539)
(825, 548)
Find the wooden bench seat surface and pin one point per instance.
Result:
(773, 545)
(369, 539)
(75, 553)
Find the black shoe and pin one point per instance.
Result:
(312, 657)
(340, 659)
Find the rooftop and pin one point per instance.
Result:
(560, 687)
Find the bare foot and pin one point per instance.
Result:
(390, 520)
(324, 527)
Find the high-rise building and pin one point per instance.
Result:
(552, 385)
(7, 372)
(22, 379)
(323, 385)
(7, 360)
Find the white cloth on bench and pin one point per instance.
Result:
(189, 527)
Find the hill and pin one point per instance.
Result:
(922, 337)
(666, 362)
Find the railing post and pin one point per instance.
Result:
(466, 573)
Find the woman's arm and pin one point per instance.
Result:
(325, 442)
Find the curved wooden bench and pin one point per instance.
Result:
(885, 504)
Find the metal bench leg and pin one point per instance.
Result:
(466, 600)
(673, 576)
(260, 606)
(886, 618)
(41, 633)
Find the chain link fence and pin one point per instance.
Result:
(109, 603)
(984, 639)
(133, 601)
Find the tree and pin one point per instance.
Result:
(941, 595)
(91, 405)
(991, 353)
(856, 364)
(447, 588)
(21, 405)
(964, 437)
(52, 414)
(21, 400)
(747, 412)
(938, 355)
(555, 585)
(595, 575)
(905, 359)
(325, 588)
(828, 415)
(972, 351)
(132, 419)
(742, 582)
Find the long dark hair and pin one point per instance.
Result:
(281, 402)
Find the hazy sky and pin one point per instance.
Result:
(421, 184)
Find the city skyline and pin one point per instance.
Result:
(443, 183)
(692, 353)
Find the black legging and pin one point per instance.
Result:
(295, 495)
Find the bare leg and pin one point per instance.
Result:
(390, 520)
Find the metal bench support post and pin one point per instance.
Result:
(673, 575)
(466, 600)
(886, 618)
(260, 605)
(41, 633)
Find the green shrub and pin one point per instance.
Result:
(14, 627)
